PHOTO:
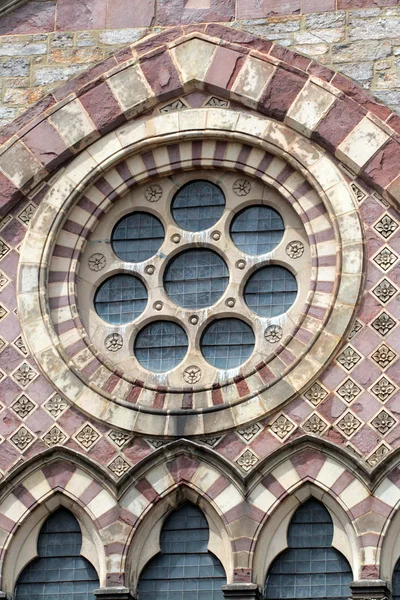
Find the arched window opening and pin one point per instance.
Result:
(184, 565)
(310, 567)
(60, 571)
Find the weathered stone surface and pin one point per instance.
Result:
(250, 9)
(374, 29)
(29, 18)
(171, 12)
(77, 15)
(130, 13)
(368, 50)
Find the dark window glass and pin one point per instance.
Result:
(257, 229)
(310, 567)
(396, 582)
(120, 299)
(270, 291)
(137, 237)
(227, 343)
(60, 573)
(198, 205)
(196, 278)
(161, 346)
(184, 565)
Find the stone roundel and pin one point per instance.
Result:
(254, 146)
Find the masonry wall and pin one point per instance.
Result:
(46, 42)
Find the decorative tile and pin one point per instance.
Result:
(114, 342)
(348, 358)
(349, 424)
(97, 262)
(247, 460)
(157, 443)
(119, 466)
(173, 106)
(383, 389)
(282, 426)
(316, 394)
(385, 259)
(119, 438)
(23, 406)
(4, 281)
(26, 215)
(241, 187)
(22, 438)
(355, 329)
(383, 324)
(386, 226)
(4, 249)
(378, 455)
(3, 344)
(273, 333)
(5, 221)
(54, 437)
(349, 391)
(56, 405)
(383, 356)
(358, 192)
(215, 102)
(20, 345)
(248, 433)
(87, 436)
(384, 291)
(383, 422)
(24, 374)
(3, 312)
(212, 441)
(314, 425)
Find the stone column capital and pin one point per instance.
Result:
(114, 593)
(242, 591)
(370, 589)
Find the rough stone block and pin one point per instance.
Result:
(172, 12)
(32, 17)
(253, 9)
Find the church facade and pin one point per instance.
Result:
(199, 307)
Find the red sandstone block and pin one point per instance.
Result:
(9, 194)
(75, 14)
(235, 36)
(102, 108)
(280, 93)
(182, 468)
(349, 4)
(45, 143)
(338, 123)
(290, 57)
(224, 69)
(33, 17)
(312, 6)
(384, 167)
(171, 12)
(162, 75)
(130, 13)
(249, 9)
(320, 71)
(362, 97)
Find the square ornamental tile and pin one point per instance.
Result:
(383, 324)
(315, 425)
(384, 291)
(282, 427)
(119, 466)
(56, 406)
(383, 356)
(385, 259)
(119, 438)
(247, 460)
(348, 358)
(24, 374)
(22, 438)
(55, 436)
(19, 344)
(248, 433)
(386, 226)
(378, 455)
(87, 436)
(23, 406)
(383, 389)
(349, 424)
(383, 422)
(349, 390)
(316, 394)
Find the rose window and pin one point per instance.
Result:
(197, 277)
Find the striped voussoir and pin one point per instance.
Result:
(134, 153)
(119, 513)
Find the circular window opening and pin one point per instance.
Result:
(137, 237)
(257, 229)
(161, 346)
(120, 299)
(196, 278)
(198, 205)
(270, 291)
(227, 343)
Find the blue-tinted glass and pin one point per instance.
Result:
(396, 582)
(60, 573)
(227, 343)
(184, 565)
(257, 229)
(137, 237)
(161, 346)
(196, 278)
(198, 205)
(270, 291)
(310, 567)
(120, 299)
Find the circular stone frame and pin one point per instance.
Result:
(255, 145)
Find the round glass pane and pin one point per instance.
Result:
(137, 237)
(161, 346)
(198, 205)
(120, 299)
(257, 229)
(270, 291)
(196, 278)
(227, 343)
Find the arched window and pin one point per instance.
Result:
(60, 571)
(310, 567)
(396, 582)
(184, 568)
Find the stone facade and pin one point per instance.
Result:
(318, 415)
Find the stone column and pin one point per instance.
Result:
(370, 589)
(242, 591)
(114, 593)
